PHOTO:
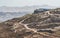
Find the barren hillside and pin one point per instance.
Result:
(40, 25)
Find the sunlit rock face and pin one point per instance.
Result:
(39, 25)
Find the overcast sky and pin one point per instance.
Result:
(16, 3)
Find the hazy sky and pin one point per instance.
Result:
(29, 2)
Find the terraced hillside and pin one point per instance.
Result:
(39, 25)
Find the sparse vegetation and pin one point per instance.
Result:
(32, 26)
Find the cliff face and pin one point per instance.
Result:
(39, 25)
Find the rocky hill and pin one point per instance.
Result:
(40, 10)
(7, 12)
(39, 25)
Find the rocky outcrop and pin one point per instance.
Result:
(40, 25)
(40, 10)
